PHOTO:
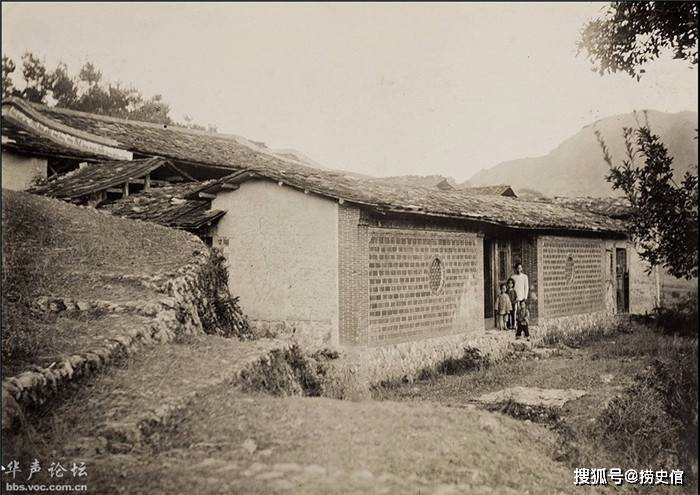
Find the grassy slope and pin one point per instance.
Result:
(51, 248)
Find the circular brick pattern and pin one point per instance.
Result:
(436, 275)
(569, 269)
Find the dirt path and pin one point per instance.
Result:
(219, 439)
(230, 442)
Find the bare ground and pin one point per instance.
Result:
(426, 437)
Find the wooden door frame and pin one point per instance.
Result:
(624, 280)
(489, 245)
(493, 244)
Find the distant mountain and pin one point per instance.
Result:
(576, 167)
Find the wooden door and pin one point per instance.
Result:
(622, 280)
(504, 269)
(488, 279)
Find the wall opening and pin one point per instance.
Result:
(622, 281)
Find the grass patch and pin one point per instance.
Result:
(472, 362)
(535, 414)
(586, 336)
(472, 359)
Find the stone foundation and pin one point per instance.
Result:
(570, 325)
(358, 369)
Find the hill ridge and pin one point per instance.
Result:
(580, 156)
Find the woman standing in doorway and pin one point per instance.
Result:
(522, 284)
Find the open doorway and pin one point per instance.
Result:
(497, 269)
(622, 276)
(489, 292)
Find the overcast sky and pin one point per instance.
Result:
(383, 89)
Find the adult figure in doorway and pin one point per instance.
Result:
(522, 284)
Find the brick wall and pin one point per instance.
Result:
(384, 293)
(572, 276)
(353, 289)
(402, 304)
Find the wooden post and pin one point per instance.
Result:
(147, 183)
(125, 191)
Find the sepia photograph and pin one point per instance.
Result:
(415, 248)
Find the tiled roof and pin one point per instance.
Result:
(497, 190)
(98, 177)
(499, 210)
(169, 206)
(16, 136)
(223, 150)
(239, 153)
(618, 208)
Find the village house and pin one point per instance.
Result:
(340, 259)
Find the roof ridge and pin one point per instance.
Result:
(256, 146)
(110, 118)
(30, 109)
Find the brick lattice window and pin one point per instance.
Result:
(573, 272)
(436, 275)
(405, 266)
(569, 269)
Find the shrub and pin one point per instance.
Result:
(223, 315)
(472, 359)
(287, 372)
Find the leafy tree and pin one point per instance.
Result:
(87, 92)
(665, 214)
(153, 110)
(190, 124)
(38, 80)
(8, 67)
(665, 219)
(632, 33)
(64, 89)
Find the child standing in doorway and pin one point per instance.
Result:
(504, 307)
(523, 318)
(513, 302)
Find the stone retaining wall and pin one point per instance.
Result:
(191, 304)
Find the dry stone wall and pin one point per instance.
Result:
(195, 300)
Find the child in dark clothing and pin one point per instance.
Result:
(513, 302)
(523, 318)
